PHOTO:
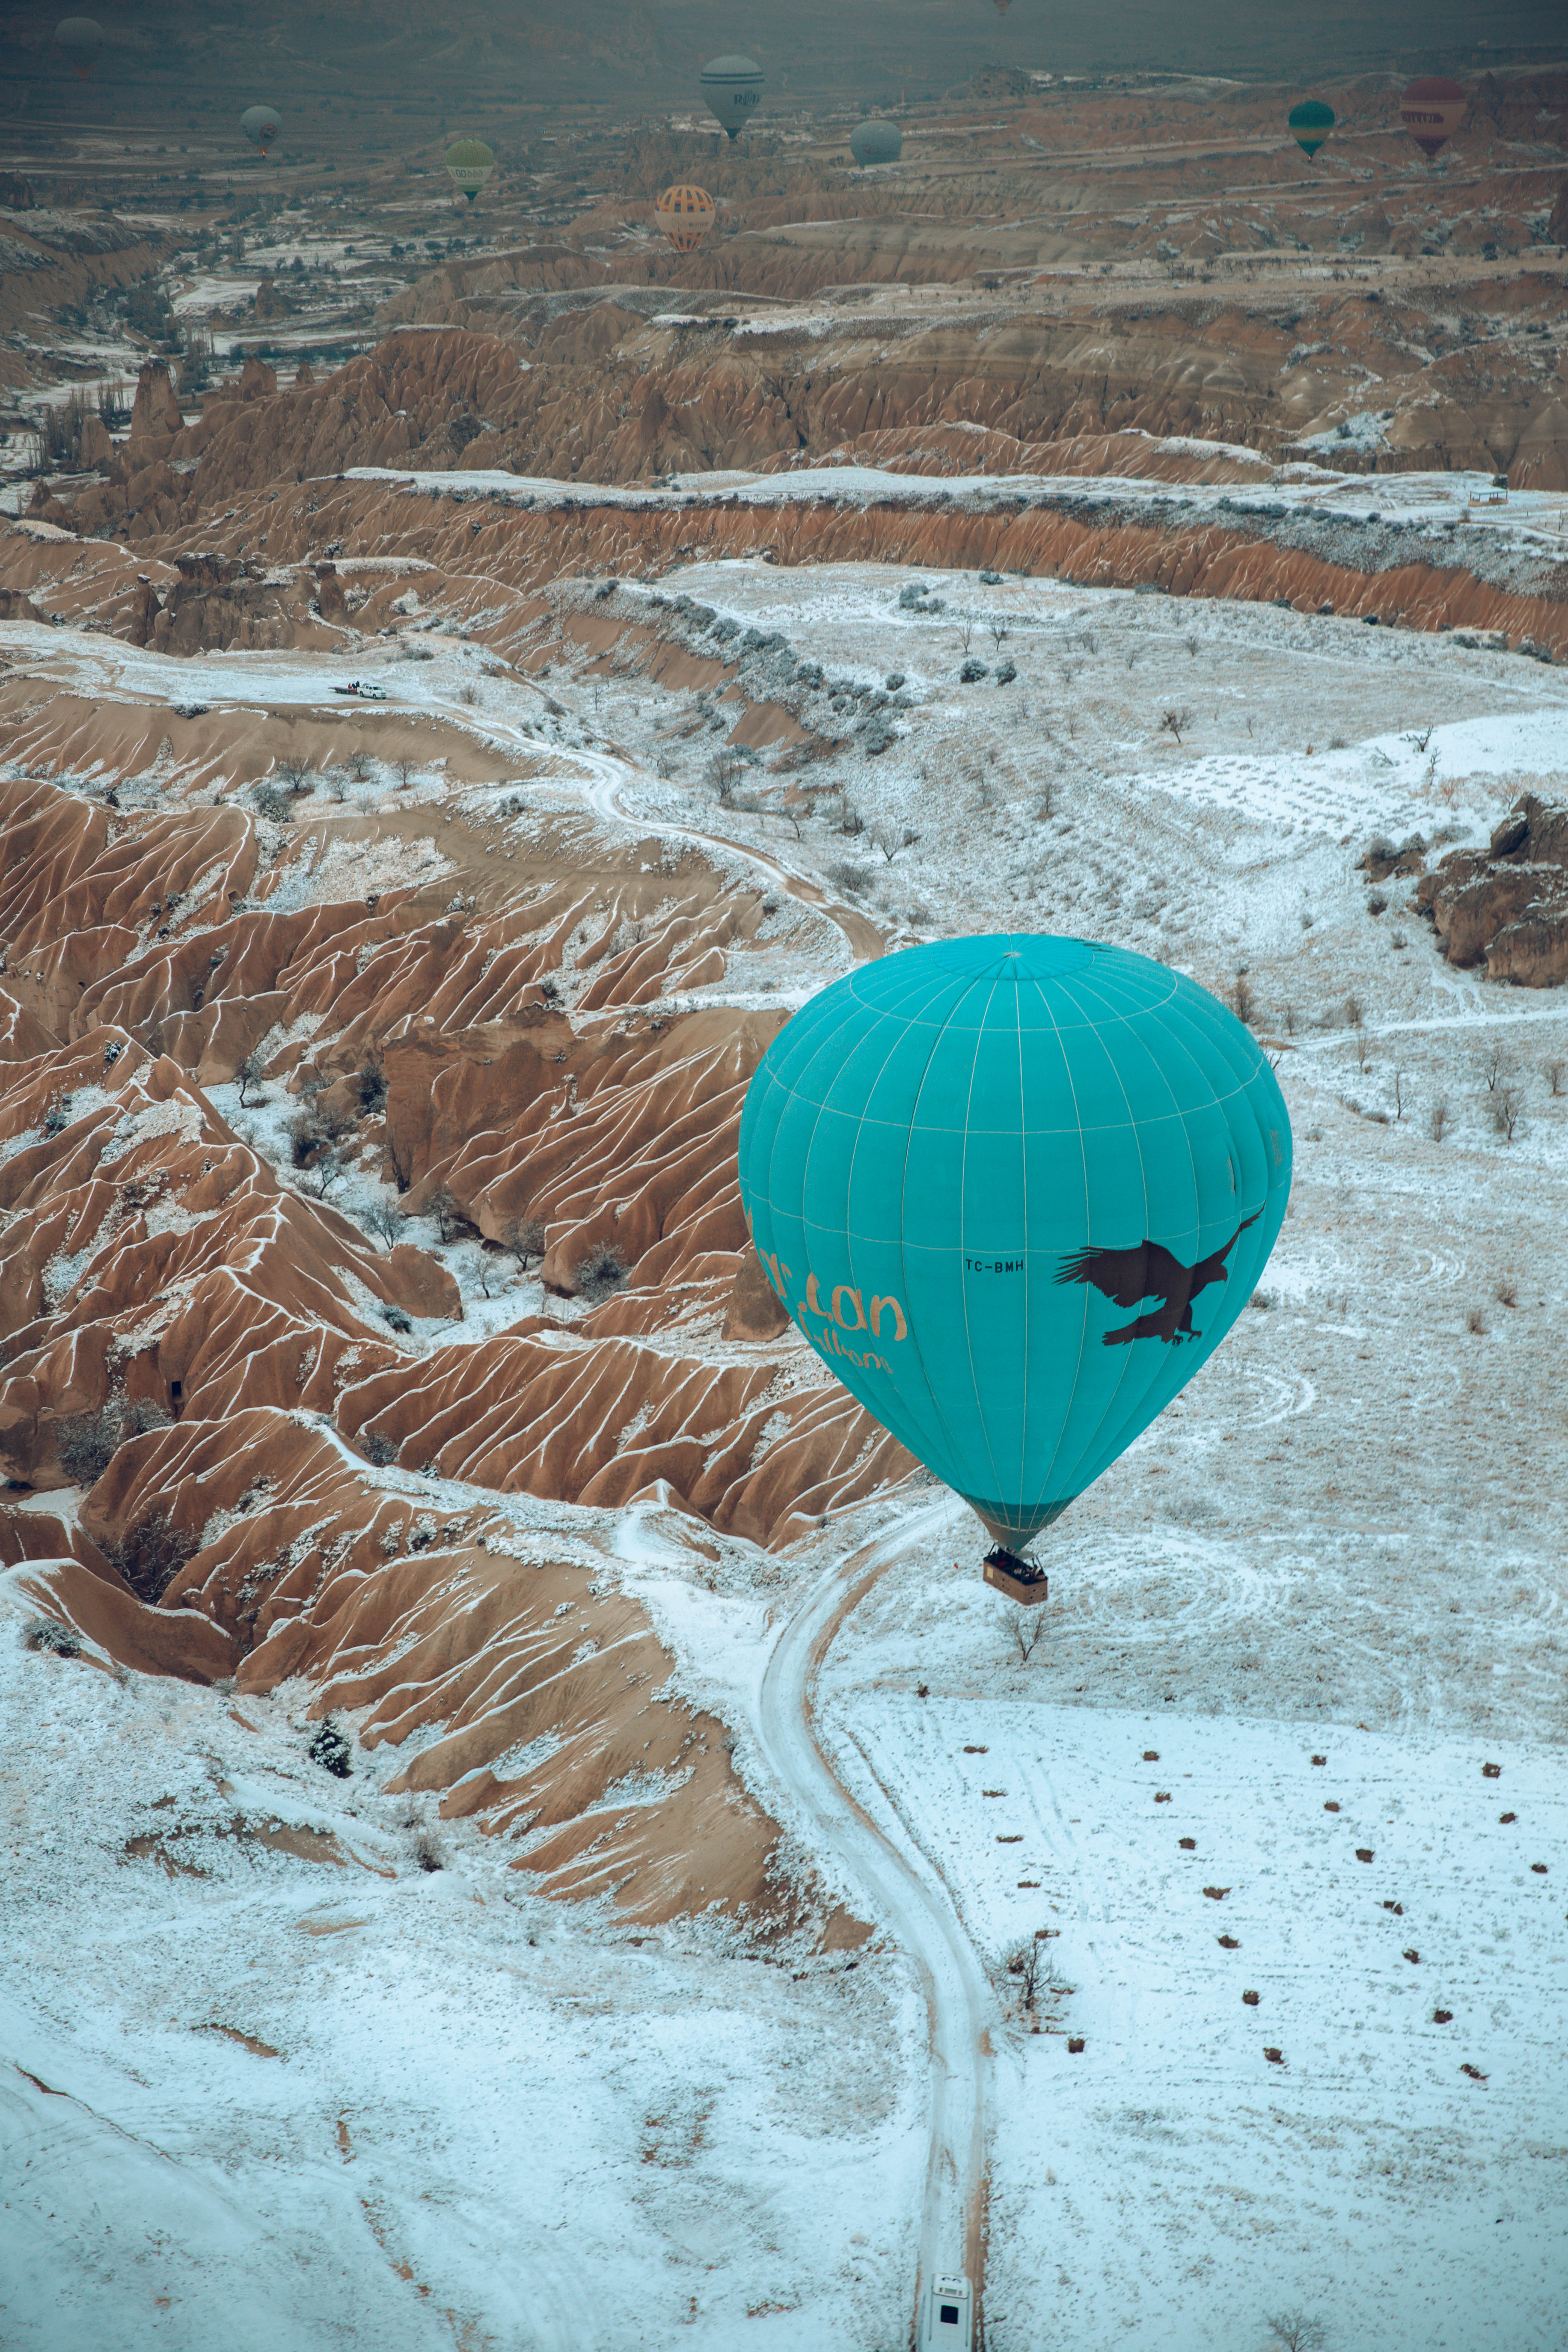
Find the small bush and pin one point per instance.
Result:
(330, 1749)
(1508, 1294)
(371, 1082)
(973, 670)
(1477, 1322)
(150, 1555)
(845, 876)
(58, 1640)
(395, 1317)
(272, 802)
(378, 1449)
(87, 1443)
(601, 1272)
(1441, 1118)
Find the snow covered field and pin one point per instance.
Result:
(464, 2115)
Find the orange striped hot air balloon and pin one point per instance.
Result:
(686, 215)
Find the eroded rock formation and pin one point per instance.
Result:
(1507, 905)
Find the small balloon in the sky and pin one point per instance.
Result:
(876, 141)
(469, 163)
(1310, 123)
(1014, 1191)
(80, 37)
(685, 216)
(1432, 109)
(733, 91)
(261, 125)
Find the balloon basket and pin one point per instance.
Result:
(1005, 1572)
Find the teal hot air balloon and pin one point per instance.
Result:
(1310, 123)
(873, 141)
(1014, 1190)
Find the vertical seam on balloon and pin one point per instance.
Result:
(907, 1026)
(1087, 1451)
(1023, 1156)
(963, 1286)
(1083, 1171)
(955, 1451)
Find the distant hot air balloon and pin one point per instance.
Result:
(876, 141)
(686, 215)
(261, 125)
(1310, 124)
(469, 163)
(732, 89)
(1431, 111)
(1014, 1191)
(80, 37)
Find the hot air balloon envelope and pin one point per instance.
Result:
(81, 37)
(875, 141)
(1014, 1190)
(1310, 124)
(469, 163)
(1431, 111)
(261, 125)
(732, 89)
(686, 215)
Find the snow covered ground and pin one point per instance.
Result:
(1346, 1539)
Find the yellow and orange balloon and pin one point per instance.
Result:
(685, 216)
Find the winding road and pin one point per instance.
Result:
(912, 1903)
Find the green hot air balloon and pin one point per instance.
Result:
(469, 163)
(261, 125)
(876, 141)
(80, 37)
(1310, 124)
(1014, 1190)
(731, 90)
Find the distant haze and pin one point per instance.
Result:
(471, 55)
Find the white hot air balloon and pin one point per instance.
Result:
(733, 91)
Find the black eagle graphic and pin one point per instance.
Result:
(1127, 1276)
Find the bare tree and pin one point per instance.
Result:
(294, 775)
(1028, 1627)
(965, 634)
(1507, 1112)
(1242, 998)
(1024, 1963)
(1555, 1072)
(1173, 722)
(450, 1218)
(251, 1072)
(405, 771)
(1441, 1118)
(361, 767)
(1493, 1068)
(527, 1240)
(383, 1221)
(889, 839)
(1293, 2331)
(1401, 1085)
(999, 632)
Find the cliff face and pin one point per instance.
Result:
(1507, 905)
(243, 1378)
